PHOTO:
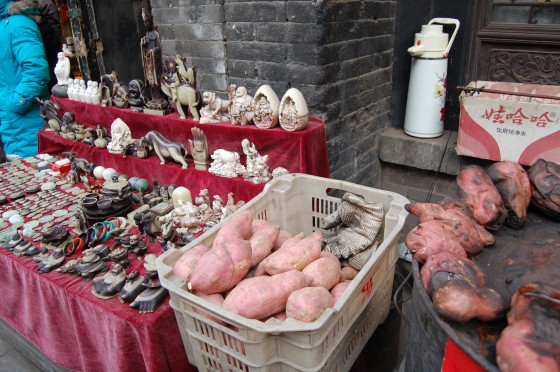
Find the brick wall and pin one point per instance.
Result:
(338, 53)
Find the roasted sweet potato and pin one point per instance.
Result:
(458, 301)
(294, 257)
(185, 264)
(324, 272)
(262, 296)
(307, 304)
(429, 238)
(477, 190)
(264, 234)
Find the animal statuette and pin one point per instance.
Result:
(49, 113)
(226, 164)
(216, 109)
(165, 148)
(179, 83)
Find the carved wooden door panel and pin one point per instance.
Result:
(515, 41)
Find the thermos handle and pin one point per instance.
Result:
(448, 21)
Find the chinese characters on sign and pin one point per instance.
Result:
(516, 116)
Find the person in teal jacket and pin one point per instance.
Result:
(24, 75)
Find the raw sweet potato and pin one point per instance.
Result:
(294, 257)
(287, 243)
(236, 226)
(349, 273)
(262, 296)
(262, 240)
(282, 237)
(222, 267)
(307, 304)
(339, 289)
(330, 255)
(324, 272)
(214, 298)
(184, 266)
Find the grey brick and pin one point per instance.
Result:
(184, 3)
(212, 82)
(240, 31)
(242, 69)
(255, 11)
(166, 31)
(197, 31)
(257, 51)
(302, 53)
(305, 11)
(160, 4)
(291, 73)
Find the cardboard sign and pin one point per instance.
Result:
(516, 127)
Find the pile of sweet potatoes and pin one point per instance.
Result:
(256, 270)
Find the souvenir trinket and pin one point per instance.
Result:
(179, 83)
(132, 287)
(150, 266)
(293, 111)
(52, 262)
(90, 264)
(215, 110)
(165, 148)
(110, 284)
(257, 168)
(69, 267)
(121, 137)
(226, 164)
(22, 247)
(265, 107)
(199, 149)
(241, 109)
(149, 300)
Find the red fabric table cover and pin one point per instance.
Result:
(299, 152)
(59, 314)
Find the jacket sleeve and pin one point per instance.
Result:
(29, 54)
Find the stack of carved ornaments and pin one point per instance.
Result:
(451, 232)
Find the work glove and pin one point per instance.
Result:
(359, 223)
(359, 260)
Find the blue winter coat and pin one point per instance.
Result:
(24, 75)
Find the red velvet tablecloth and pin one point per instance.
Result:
(298, 152)
(59, 314)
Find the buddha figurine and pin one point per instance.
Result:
(135, 95)
(62, 69)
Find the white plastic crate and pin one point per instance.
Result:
(296, 202)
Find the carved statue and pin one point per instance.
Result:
(121, 137)
(165, 148)
(150, 46)
(226, 164)
(179, 83)
(294, 114)
(113, 91)
(135, 95)
(241, 109)
(216, 109)
(62, 69)
(49, 113)
(67, 125)
(199, 149)
(257, 168)
(265, 107)
(102, 137)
